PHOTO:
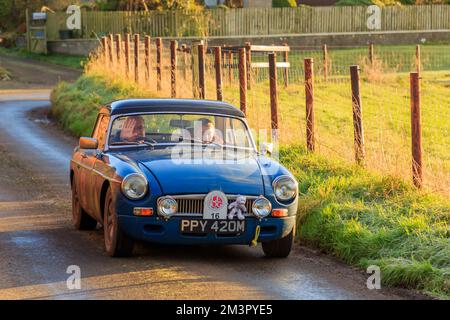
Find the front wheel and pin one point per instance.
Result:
(117, 243)
(279, 248)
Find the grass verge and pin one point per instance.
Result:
(75, 105)
(368, 219)
(75, 62)
(359, 216)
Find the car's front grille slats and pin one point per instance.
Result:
(193, 204)
(190, 205)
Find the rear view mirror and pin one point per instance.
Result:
(88, 143)
(178, 123)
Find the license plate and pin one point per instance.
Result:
(212, 226)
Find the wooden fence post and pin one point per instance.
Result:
(104, 43)
(273, 95)
(118, 40)
(111, 49)
(173, 67)
(357, 116)
(309, 94)
(242, 80)
(158, 63)
(371, 54)
(248, 62)
(147, 55)
(230, 67)
(127, 54)
(28, 33)
(416, 130)
(325, 62)
(285, 70)
(418, 59)
(184, 50)
(201, 70)
(136, 57)
(218, 67)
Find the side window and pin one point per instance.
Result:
(97, 124)
(240, 134)
(101, 130)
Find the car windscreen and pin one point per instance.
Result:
(166, 128)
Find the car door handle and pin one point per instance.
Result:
(83, 155)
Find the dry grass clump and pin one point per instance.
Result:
(373, 71)
(5, 75)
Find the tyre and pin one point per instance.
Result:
(81, 220)
(117, 243)
(279, 248)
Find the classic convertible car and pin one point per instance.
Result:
(180, 172)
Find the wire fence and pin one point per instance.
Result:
(393, 59)
(385, 92)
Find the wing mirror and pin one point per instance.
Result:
(88, 143)
(266, 148)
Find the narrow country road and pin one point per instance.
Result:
(38, 243)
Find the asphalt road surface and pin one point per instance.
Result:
(38, 242)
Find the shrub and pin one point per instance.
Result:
(284, 3)
(8, 39)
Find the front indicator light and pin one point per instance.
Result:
(143, 212)
(279, 213)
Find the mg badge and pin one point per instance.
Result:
(215, 205)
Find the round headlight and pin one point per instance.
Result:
(167, 207)
(285, 188)
(134, 186)
(261, 207)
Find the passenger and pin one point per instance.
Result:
(209, 132)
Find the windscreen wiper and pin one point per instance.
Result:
(202, 142)
(134, 143)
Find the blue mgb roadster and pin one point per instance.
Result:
(180, 172)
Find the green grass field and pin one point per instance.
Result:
(386, 119)
(399, 58)
(75, 62)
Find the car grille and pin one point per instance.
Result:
(193, 204)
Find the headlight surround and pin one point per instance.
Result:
(285, 188)
(261, 207)
(134, 186)
(167, 206)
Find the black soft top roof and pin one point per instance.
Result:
(172, 105)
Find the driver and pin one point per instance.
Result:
(209, 132)
(133, 129)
